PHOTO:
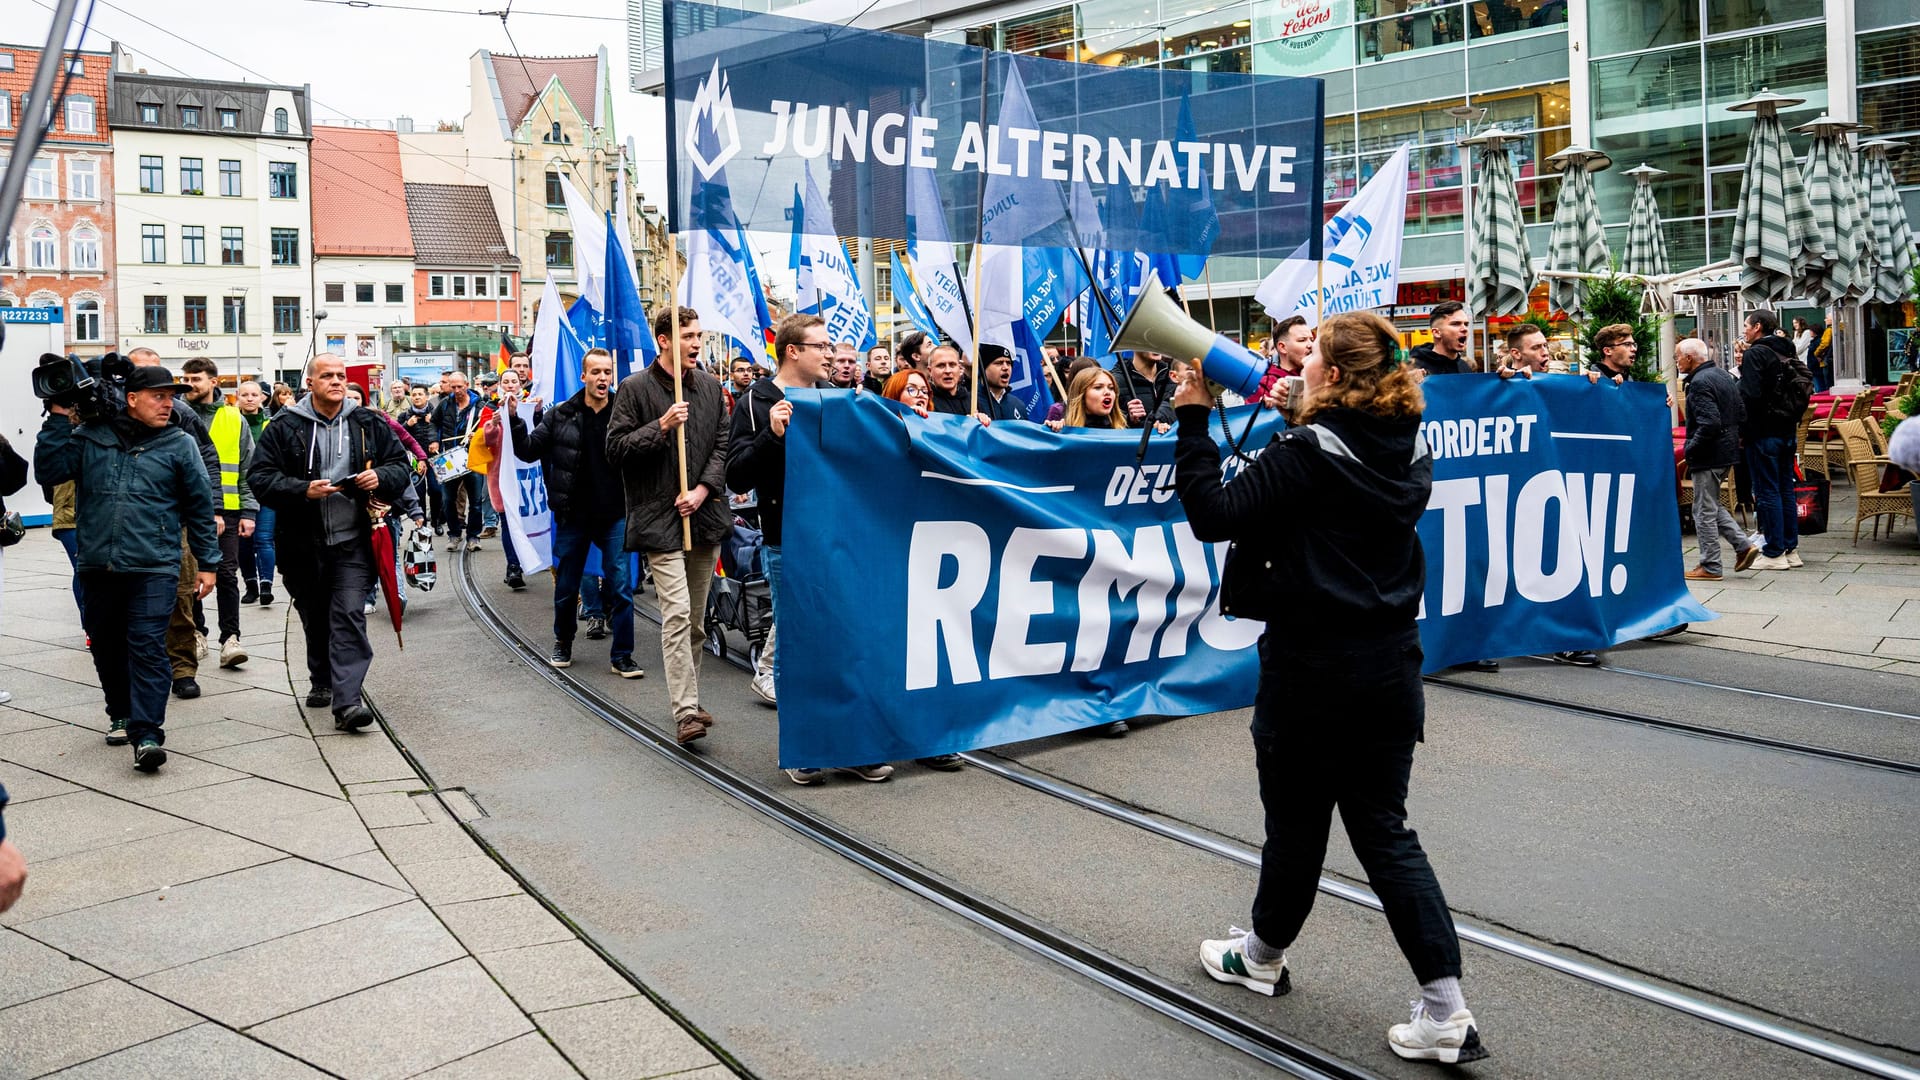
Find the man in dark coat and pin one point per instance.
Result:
(642, 445)
(319, 464)
(453, 420)
(1714, 413)
(1774, 387)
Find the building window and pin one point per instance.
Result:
(80, 115)
(76, 66)
(230, 178)
(230, 119)
(283, 180)
(6, 250)
(396, 294)
(555, 195)
(86, 320)
(286, 247)
(436, 285)
(6, 61)
(149, 113)
(84, 250)
(336, 293)
(559, 249)
(153, 243)
(233, 246)
(233, 314)
(192, 177)
(193, 244)
(460, 285)
(505, 288)
(40, 179)
(193, 315)
(156, 315)
(151, 180)
(43, 245)
(479, 284)
(279, 121)
(83, 179)
(6, 109)
(363, 293)
(555, 135)
(189, 116)
(286, 314)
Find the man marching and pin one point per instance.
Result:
(641, 444)
(318, 465)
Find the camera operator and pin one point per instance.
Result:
(1333, 505)
(138, 482)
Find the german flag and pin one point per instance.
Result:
(507, 349)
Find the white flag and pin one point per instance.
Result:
(523, 501)
(1360, 270)
(589, 245)
(934, 263)
(715, 286)
(825, 281)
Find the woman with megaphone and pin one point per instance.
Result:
(1322, 528)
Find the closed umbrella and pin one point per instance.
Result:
(1646, 244)
(1502, 272)
(1579, 244)
(1829, 277)
(1774, 232)
(1892, 239)
(386, 568)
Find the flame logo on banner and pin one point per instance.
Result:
(712, 137)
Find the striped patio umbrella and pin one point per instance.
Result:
(1775, 235)
(1578, 243)
(1502, 272)
(1646, 244)
(1892, 239)
(1829, 278)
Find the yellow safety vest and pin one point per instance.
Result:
(225, 431)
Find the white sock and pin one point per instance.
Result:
(1442, 997)
(1260, 952)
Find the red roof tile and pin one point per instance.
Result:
(521, 78)
(454, 226)
(359, 200)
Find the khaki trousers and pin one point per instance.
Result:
(183, 649)
(680, 582)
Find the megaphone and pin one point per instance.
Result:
(1156, 324)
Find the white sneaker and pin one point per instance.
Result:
(5, 697)
(872, 773)
(762, 687)
(1426, 1039)
(1794, 560)
(366, 608)
(1773, 562)
(232, 653)
(1226, 961)
(200, 644)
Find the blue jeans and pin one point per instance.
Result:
(256, 551)
(476, 488)
(571, 542)
(70, 539)
(126, 617)
(770, 566)
(1770, 465)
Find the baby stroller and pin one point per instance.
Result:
(739, 599)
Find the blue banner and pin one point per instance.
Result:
(1009, 582)
(1236, 158)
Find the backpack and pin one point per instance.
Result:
(1792, 390)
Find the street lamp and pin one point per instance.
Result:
(238, 293)
(497, 250)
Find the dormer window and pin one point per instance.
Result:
(149, 112)
(555, 135)
(280, 121)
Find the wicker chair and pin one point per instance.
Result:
(1800, 450)
(1864, 467)
(1826, 450)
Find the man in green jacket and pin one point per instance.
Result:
(137, 483)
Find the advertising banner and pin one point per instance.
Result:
(995, 584)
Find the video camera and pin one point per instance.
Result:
(91, 389)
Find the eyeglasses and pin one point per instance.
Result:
(823, 346)
(913, 390)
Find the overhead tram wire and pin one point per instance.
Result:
(539, 96)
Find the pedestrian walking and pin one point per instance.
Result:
(186, 642)
(256, 551)
(1774, 389)
(319, 465)
(589, 510)
(140, 483)
(237, 510)
(643, 445)
(1714, 414)
(1338, 711)
(453, 422)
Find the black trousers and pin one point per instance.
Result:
(126, 617)
(226, 582)
(329, 589)
(1336, 728)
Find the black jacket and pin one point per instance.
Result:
(1322, 523)
(1424, 358)
(1766, 370)
(757, 458)
(453, 420)
(1008, 407)
(582, 485)
(1132, 385)
(283, 467)
(958, 403)
(1714, 413)
(649, 459)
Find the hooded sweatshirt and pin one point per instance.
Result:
(327, 456)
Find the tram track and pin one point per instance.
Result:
(1262, 1043)
(1683, 680)
(1011, 770)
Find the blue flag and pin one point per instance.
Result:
(627, 333)
(906, 297)
(1030, 372)
(1190, 213)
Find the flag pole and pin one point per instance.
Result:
(673, 255)
(979, 224)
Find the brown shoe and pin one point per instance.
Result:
(702, 715)
(690, 729)
(1701, 573)
(1745, 558)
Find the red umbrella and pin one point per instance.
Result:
(383, 564)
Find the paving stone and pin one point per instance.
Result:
(626, 1039)
(556, 975)
(1852, 660)
(379, 787)
(505, 922)
(295, 820)
(403, 1027)
(451, 881)
(409, 844)
(33, 690)
(463, 805)
(17, 719)
(77, 754)
(203, 1052)
(373, 866)
(529, 1057)
(81, 1024)
(388, 809)
(252, 985)
(1898, 648)
(34, 971)
(25, 785)
(105, 874)
(1705, 636)
(197, 739)
(210, 916)
(84, 821)
(370, 755)
(289, 759)
(430, 808)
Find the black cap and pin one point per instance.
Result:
(154, 378)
